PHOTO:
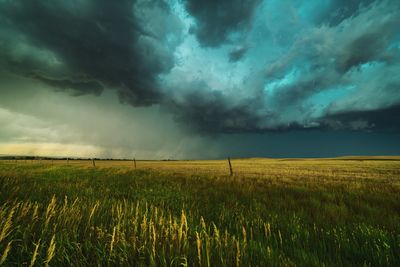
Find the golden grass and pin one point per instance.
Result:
(326, 170)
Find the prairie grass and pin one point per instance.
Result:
(330, 212)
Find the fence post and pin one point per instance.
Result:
(230, 166)
(134, 163)
(94, 163)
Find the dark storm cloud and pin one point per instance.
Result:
(106, 41)
(382, 120)
(217, 19)
(369, 46)
(209, 111)
(285, 83)
(212, 112)
(79, 86)
(237, 53)
(340, 10)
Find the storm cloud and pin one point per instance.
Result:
(218, 66)
(217, 19)
(340, 10)
(89, 45)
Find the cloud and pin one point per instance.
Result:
(88, 45)
(328, 69)
(386, 120)
(357, 40)
(79, 86)
(284, 70)
(348, 64)
(216, 20)
(237, 53)
(212, 112)
(340, 10)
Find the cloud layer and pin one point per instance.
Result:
(218, 66)
(90, 45)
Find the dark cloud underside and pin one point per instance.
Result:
(102, 42)
(383, 120)
(217, 19)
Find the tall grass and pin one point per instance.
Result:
(78, 216)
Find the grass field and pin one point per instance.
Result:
(271, 212)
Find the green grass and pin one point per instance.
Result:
(75, 215)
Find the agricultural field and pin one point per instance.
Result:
(270, 212)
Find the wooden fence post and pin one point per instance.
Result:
(134, 162)
(94, 163)
(230, 166)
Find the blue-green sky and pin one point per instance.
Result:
(200, 79)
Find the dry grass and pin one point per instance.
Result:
(354, 170)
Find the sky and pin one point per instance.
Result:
(194, 79)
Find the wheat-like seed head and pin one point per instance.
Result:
(51, 250)
(198, 244)
(35, 253)
(5, 253)
(5, 231)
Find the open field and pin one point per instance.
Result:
(272, 212)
